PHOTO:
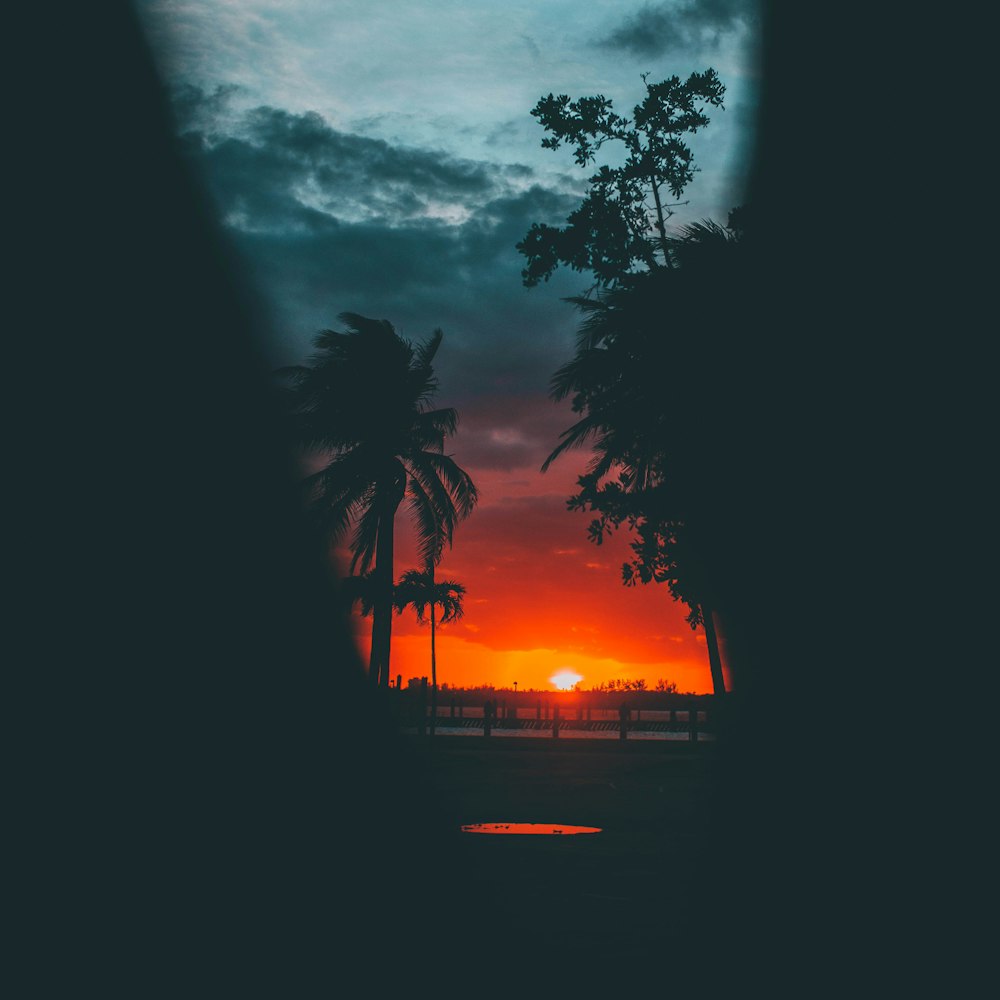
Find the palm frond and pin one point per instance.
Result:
(597, 324)
(294, 372)
(364, 541)
(365, 326)
(335, 495)
(424, 353)
(422, 383)
(458, 484)
(431, 427)
(586, 372)
(412, 591)
(574, 437)
(449, 599)
(432, 532)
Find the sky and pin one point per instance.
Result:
(379, 157)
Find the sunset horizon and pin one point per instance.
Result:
(540, 597)
(327, 178)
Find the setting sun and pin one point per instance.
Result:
(566, 679)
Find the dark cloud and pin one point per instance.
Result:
(508, 433)
(463, 279)
(657, 28)
(502, 134)
(263, 162)
(328, 222)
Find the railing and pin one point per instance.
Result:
(574, 715)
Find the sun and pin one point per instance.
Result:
(565, 679)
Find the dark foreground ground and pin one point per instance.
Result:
(618, 899)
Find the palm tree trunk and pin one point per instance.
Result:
(714, 659)
(434, 671)
(373, 656)
(382, 609)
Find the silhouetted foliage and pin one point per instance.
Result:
(665, 686)
(363, 402)
(644, 325)
(418, 589)
(359, 591)
(653, 328)
(616, 229)
(646, 412)
(617, 684)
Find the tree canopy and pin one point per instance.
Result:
(419, 589)
(644, 410)
(620, 226)
(637, 378)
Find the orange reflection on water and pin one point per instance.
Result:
(550, 828)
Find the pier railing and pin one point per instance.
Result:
(648, 714)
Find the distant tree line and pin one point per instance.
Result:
(606, 687)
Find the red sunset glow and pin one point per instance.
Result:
(540, 598)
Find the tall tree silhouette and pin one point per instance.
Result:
(641, 380)
(363, 402)
(642, 325)
(419, 590)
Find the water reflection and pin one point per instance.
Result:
(550, 828)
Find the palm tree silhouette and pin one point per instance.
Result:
(363, 401)
(419, 590)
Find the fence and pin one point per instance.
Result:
(569, 715)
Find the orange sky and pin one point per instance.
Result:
(540, 596)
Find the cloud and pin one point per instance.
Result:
(511, 433)
(274, 167)
(328, 221)
(657, 28)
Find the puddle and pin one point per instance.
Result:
(549, 828)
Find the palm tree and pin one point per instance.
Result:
(419, 590)
(363, 402)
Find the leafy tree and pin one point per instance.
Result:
(621, 224)
(663, 551)
(647, 416)
(418, 589)
(363, 402)
(640, 326)
(636, 336)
